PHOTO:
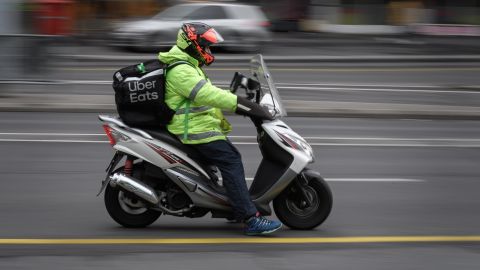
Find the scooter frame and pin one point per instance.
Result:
(285, 157)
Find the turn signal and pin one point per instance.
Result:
(265, 24)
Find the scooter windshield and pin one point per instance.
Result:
(270, 97)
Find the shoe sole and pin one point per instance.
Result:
(265, 232)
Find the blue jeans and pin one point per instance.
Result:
(228, 160)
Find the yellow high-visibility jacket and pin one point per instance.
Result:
(198, 103)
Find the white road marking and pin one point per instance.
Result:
(57, 82)
(225, 83)
(353, 86)
(314, 141)
(254, 143)
(254, 137)
(360, 85)
(272, 58)
(392, 180)
(373, 180)
(309, 88)
(50, 134)
(383, 145)
(397, 145)
(374, 138)
(300, 86)
(52, 141)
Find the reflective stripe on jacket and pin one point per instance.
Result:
(190, 92)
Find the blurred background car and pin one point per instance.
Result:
(244, 27)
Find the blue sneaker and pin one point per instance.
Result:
(258, 225)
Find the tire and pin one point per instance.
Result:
(291, 214)
(128, 211)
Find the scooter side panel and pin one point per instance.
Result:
(154, 151)
(197, 188)
(177, 166)
(277, 188)
(299, 161)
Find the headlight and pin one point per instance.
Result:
(297, 143)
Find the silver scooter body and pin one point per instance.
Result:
(193, 179)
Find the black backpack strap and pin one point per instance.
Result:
(174, 64)
(185, 101)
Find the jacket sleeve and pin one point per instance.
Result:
(189, 84)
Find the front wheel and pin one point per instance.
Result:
(291, 207)
(127, 210)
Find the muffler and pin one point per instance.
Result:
(134, 186)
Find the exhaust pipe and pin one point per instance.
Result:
(134, 186)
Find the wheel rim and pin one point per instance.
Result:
(294, 205)
(131, 206)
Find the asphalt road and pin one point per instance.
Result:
(390, 178)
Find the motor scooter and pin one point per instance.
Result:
(160, 175)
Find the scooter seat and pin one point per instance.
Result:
(167, 137)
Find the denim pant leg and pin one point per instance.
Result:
(229, 161)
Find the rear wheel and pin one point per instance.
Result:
(127, 210)
(292, 209)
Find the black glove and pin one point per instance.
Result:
(247, 108)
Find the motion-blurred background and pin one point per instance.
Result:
(35, 33)
(386, 91)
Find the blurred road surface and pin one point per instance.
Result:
(389, 178)
(317, 89)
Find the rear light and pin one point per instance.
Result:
(108, 131)
(265, 24)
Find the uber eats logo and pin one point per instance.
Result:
(139, 90)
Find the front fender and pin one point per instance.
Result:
(310, 174)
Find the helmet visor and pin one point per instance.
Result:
(210, 37)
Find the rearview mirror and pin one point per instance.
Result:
(236, 81)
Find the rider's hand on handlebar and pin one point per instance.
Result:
(247, 108)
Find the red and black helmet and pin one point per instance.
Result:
(198, 37)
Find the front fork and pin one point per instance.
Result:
(298, 189)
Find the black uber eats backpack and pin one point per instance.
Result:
(140, 94)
